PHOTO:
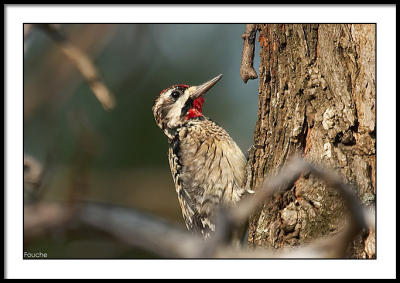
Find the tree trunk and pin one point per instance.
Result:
(316, 99)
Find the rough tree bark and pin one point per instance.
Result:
(317, 99)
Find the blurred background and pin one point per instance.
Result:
(120, 156)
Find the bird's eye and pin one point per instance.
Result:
(175, 94)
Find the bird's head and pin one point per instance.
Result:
(178, 103)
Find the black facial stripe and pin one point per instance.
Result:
(164, 111)
(186, 107)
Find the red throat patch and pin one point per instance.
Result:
(197, 109)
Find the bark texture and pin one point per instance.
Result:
(316, 99)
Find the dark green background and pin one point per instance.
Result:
(129, 163)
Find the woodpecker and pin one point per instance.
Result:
(207, 166)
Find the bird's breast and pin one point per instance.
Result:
(210, 163)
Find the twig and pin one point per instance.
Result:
(83, 64)
(332, 246)
(287, 176)
(247, 71)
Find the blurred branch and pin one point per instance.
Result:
(161, 238)
(27, 32)
(140, 230)
(33, 172)
(36, 176)
(42, 218)
(83, 64)
(65, 80)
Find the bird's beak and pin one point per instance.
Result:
(203, 88)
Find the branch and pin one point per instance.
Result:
(83, 64)
(247, 71)
(166, 240)
(143, 231)
(287, 176)
(328, 247)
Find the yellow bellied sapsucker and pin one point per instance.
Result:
(207, 166)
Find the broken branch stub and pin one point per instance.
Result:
(247, 71)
